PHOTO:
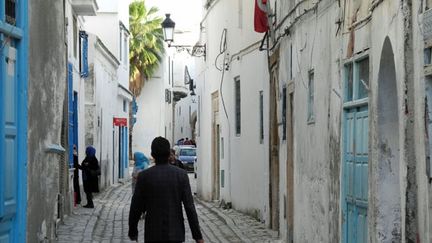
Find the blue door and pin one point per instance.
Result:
(356, 174)
(13, 120)
(355, 153)
(123, 150)
(70, 114)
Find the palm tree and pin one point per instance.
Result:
(146, 44)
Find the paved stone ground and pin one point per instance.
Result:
(108, 222)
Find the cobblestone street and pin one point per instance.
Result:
(108, 221)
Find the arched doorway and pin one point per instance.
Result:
(388, 166)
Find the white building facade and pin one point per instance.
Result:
(100, 97)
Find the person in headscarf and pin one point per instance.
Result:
(141, 163)
(91, 171)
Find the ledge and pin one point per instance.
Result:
(84, 7)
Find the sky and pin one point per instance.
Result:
(185, 13)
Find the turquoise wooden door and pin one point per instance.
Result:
(356, 174)
(355, 152)
(13, 120)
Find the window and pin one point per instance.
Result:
(199, 113)
(123, 43)
(83, 58)
(222, 148)
(188, 152)
(261, 108)
(291, 63)
(237, 106)
(190, 114)
(10, 12)
(125, 47)
(284, 104)
(74, 36)
(310, 114)
(120, 44)
(349, 83)
(356, 80)
(124, 106)
(181, 130)
(179, 110)
(363, 76)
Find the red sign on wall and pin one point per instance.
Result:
(120, 122)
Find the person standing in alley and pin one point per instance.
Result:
(159, 194)
(76, 186)
(141, 163)
(174, 160)
(187, 142)
(91, 171)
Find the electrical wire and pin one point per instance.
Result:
(222, 49)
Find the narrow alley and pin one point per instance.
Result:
(108, 221)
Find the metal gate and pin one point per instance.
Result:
(13, 120)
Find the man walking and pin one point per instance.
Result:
(159, 194)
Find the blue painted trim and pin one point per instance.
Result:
(11, 30)
(2, 130)
(70, 113)
(84, 54)
(22, 75)
(75, 119)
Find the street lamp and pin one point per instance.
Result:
(168, 29)
(168, 26)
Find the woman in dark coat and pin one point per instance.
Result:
(91, 171)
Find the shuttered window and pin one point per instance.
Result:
(237, 106)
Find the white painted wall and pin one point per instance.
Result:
(245, 160)
(106, 25)
(152, 112)
(183, 121)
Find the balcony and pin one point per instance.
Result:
(84, 7)
(179, 92)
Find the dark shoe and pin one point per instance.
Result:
(88, 206)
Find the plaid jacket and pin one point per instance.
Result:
(159, 193)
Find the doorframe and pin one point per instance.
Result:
(214, 147)
(290, 163)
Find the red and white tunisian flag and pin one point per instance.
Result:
(260, 19)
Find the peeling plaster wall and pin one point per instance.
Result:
(46, 97)
(316, 144)
(384, 223)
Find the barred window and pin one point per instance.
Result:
(237, 106)
(10, 11)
